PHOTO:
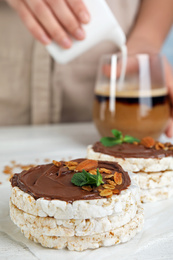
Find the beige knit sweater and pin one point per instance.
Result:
(36, 90)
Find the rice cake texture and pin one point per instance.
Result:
(135, 164)
(82, 227)
(81, 209)
(156, 194)
(80, 243)
(152, 180)
(153, 175)
(77, 224)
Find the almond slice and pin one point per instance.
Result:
(148, 142)
(104, 170)
(116, 191)
(71, 163)
(111, 182)
(71, 168)
(108, 176)
(159, 146)
(118, 178)
(93, 172)
(87, 188)
(105, 193)
(108, 186)
(56, 163)
(87, 165)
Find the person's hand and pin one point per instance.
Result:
(169, 83)
(54, 20)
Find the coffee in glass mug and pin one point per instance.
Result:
(140, 108)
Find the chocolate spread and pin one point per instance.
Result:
(51, 182)
(127, 150)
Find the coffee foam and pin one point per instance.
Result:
(131, 92)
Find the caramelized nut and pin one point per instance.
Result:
(7, 170)
(71, 168)
(87, 165)
(118, 178)
(71, 163)
(105, 193)
(87, 188)
(104, 170)
(159, 146)
(93, 172)
(116, 191)
(111, 182)
(108, 176)
(108, 186)
(56, 163)
(148, 142)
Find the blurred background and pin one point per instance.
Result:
(167, 48)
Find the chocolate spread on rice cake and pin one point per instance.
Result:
(51, 181)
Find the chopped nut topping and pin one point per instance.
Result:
(8, 170)
(136, 143)
(159, 146)
(87, 165)
(71, 168)
(111, 182)
(56, 163)
(167, 144)
(118, 178)
(93, 172)
(108, 176)
(100, 189)
(70, 163)
(108, 186)
(105, 193)
(148, 142)
(116, 191)
(104, 170)
(87, 188)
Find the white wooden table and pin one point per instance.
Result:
(25, 145)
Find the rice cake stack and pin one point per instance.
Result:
(150, 160)
(51, 209)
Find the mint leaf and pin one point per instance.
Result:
(91, 179)
(99, 178)
(79, 179)
(117, 139)
(130, 139)
(110, 141)
(117, 134)
(85, 178)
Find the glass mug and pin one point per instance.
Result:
(131, 96)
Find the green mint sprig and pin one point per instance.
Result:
(85, 178)
(118, 139)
